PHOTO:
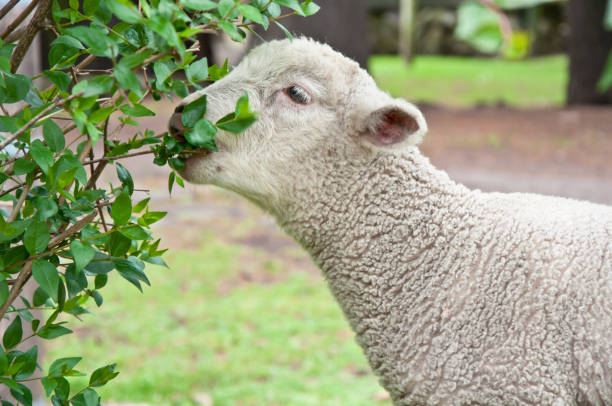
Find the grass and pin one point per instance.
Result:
(282, 343)
(465, 82)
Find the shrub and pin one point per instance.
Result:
(59, 227)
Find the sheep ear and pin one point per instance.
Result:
(394, 125)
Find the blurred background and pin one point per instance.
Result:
(517, 96)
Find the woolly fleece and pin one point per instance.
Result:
(456, 296)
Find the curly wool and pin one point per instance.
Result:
(463, 297)
(456, 296)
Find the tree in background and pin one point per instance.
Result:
(590, 52)
(483, 24)
(60, 228)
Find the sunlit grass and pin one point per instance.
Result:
(465, 82)
(281, 343)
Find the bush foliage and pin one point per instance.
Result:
(59, 227)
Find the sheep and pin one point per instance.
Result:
(455, 295)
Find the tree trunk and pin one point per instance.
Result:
(340, 23)
(406, 28)
(589, 47)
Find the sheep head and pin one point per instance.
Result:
(316, 108)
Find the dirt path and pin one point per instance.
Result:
(565, 152)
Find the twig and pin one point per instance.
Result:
(22, 16)
(113, 158)
(24, 275)
(20, 202)
(36, 118)
(9, 6)
(33, 27)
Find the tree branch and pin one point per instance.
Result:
(33, 27)
(9, 6)
(35, 119)
(22, 16)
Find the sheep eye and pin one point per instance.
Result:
(298, 94)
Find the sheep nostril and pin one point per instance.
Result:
(175, 126)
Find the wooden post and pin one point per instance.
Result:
(407, 13)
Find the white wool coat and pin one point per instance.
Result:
(456, 296)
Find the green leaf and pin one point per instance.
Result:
(284, 30)
(53, 135)
(131, 270)
(138, 110)
(118, 244)
(101, 264)
(127, 79)
(28, 361)
(75, 282)
(200, 5)
(90, 6)
(4, 362)
(62, 366)
(215, 72)
(478, 26)
(171, 179)
(141, 205)
(36, 237)
(15, 88)
(608, 17)
(121, 209)
(47, 277)
(135, 233)
(125, 177)
(100, 115)
(102, 375)
(88, 397)
(235, 33)
(152, 217)
(53, 331)
(48, 384)
(100, 281)
(241, 119)
(4, 292)
(23, 395)
(94, 37)
(194, 111)
(251, 13)
(605, 82)
(96, 86)
(198, 71)
(41, 154)
(46, 207)
(82, 253)
(13, 334)
(60, 79)
(202, 135)
(23, 166)
(8, 124)
(310, 8)
(124, 10)
(274, 10)
(163, 70)
(134, 60)
(293, 5)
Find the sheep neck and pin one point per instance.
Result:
(348, 223)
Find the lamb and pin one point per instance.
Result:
(456, 296)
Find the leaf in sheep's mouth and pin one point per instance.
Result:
(202, 135)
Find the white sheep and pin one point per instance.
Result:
(456, 296)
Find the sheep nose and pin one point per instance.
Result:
(176, 124)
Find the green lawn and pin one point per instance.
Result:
(465, 82)
(281, 343)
